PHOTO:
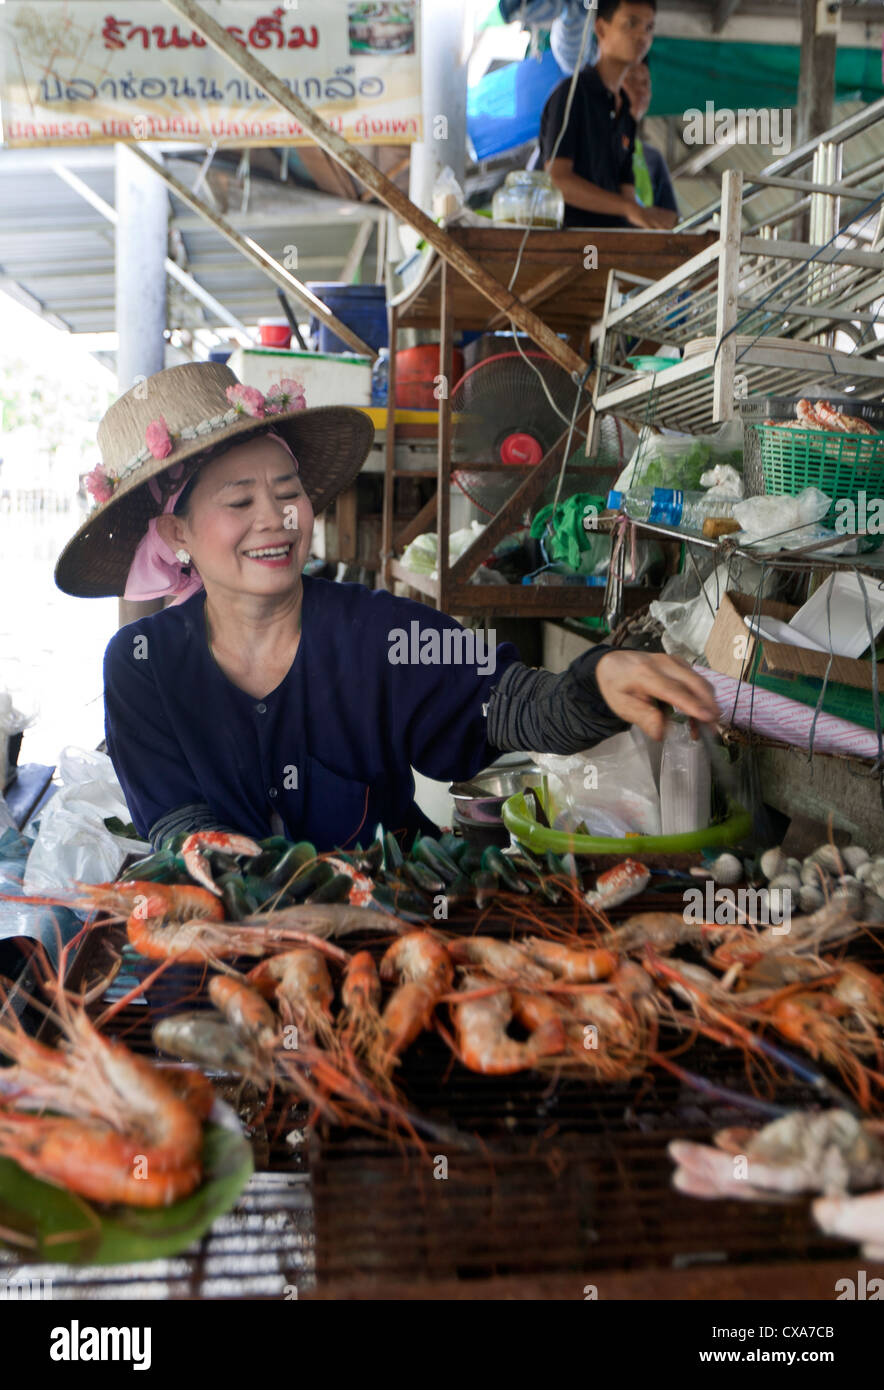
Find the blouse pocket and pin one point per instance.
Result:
(335, 809)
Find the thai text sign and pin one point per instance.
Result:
(81, 71)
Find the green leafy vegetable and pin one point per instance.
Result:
(41, 1222)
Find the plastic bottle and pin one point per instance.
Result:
(380, 378)
(672, 507)
(685, 782)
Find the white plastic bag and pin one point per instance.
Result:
(73, 843)
(788, 519)
(610, 787)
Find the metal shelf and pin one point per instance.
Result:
(740, 293)
(682, 397)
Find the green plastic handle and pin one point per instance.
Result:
(526, 829)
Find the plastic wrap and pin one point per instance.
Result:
(610, 787)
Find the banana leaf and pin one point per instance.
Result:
(42, 1222)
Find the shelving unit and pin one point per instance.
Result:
(556, 282)
(739, 293)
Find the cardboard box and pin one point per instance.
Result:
(730, 648)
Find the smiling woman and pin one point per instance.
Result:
(268, 702)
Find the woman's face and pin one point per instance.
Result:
(249, 521)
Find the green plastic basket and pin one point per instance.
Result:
(841, 465)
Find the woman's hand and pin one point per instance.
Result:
(634, 683)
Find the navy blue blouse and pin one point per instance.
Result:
(330, 750)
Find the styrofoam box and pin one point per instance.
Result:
(328, 378)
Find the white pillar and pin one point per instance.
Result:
(444, 47)
(140, 288)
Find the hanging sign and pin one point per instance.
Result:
(94, 71)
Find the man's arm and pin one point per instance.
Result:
(580, 193)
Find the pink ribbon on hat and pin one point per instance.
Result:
(156, 571)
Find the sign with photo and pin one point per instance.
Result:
(95, 71)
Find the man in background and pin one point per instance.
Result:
(588, 150)
(653, 186)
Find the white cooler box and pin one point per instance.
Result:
(328, 378)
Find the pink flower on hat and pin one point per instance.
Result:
(287, 394)
(99, 484)
(157, 439)
(247, 400)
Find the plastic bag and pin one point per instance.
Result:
(610, 787)
(422, 555)
(722, 481)
(788, 519)
(687, 612)
(73, 843)
(680, 460)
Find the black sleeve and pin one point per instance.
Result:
(540, 712)
(551, 121)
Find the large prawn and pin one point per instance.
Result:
(118, 1131)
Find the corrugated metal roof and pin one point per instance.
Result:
(60, 250)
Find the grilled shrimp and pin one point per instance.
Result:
(503, 960)
(480, 1027)
(580, 967)
(120, 1132)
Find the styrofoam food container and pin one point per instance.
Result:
(328, 378)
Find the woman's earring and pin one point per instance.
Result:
(183, 556)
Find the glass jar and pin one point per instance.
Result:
(528, 198)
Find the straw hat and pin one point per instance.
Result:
(185, 416)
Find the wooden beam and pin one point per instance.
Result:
(544, 289)
(258, 257)
(346, 507)
(816, 78)
(420, 522)
(335, 145)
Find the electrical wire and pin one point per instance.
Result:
(566, 115)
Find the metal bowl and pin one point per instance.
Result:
(497, 781)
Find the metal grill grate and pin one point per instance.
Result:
(562, 1184)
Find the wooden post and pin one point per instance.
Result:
(389, 455)
(443, 465)
(726, 311)
(346, 518)
(258, 256)
(356, 163)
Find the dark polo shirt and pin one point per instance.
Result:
(598, 139)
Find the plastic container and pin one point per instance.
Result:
(685, 782)
(380, 378)
(672, 507)
(528, 198)
(327, 378)
(416, 372)
(841, 465)
(274, 332)
(361, 307)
